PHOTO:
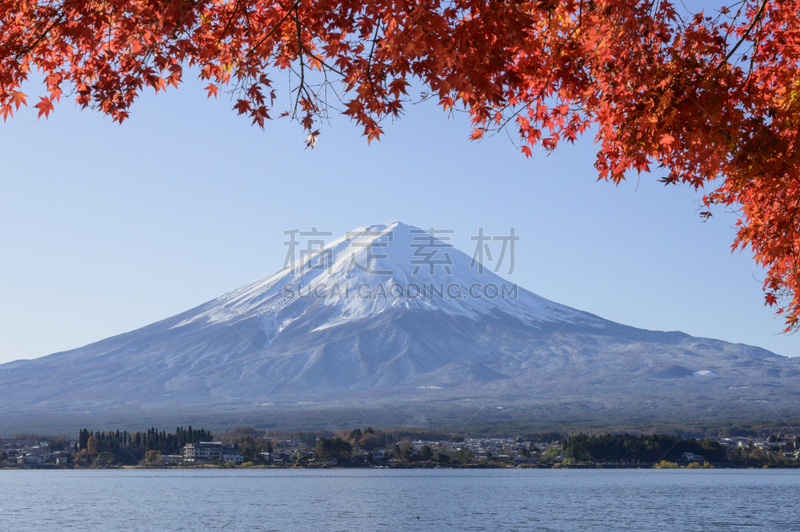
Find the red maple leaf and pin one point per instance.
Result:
(45, 106)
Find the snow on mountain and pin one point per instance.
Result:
(379, 317)
(378, 268)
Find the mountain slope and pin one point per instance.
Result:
(367, 320)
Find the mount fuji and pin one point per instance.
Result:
(394, 318)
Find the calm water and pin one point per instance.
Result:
(635, 500)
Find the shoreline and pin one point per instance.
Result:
(205, 467)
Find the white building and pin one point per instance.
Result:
(231, 454)
(202, 452)
(205, 451)
(29, 460)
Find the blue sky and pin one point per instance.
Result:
(107, 228)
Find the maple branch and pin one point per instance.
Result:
(323, 63)
(550, 75)
(756, 19)
(752, 60)
(415, 21)
(795, 253)
(569, 37)
(230, 19)
(247, 18)
(513, 115)
(39, 25)
(278, 25)
(369, 59)
(300, 88)
(39, 38)
(733, 18)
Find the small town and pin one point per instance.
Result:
(246, 447)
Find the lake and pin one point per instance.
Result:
(440, 499)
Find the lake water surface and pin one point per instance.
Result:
(443, 499)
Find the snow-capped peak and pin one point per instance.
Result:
(375, 269)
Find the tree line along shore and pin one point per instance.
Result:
(245, 447)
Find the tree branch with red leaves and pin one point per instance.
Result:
(658, 90)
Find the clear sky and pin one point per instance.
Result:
(107, 228)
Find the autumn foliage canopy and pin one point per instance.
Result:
(711, 99)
